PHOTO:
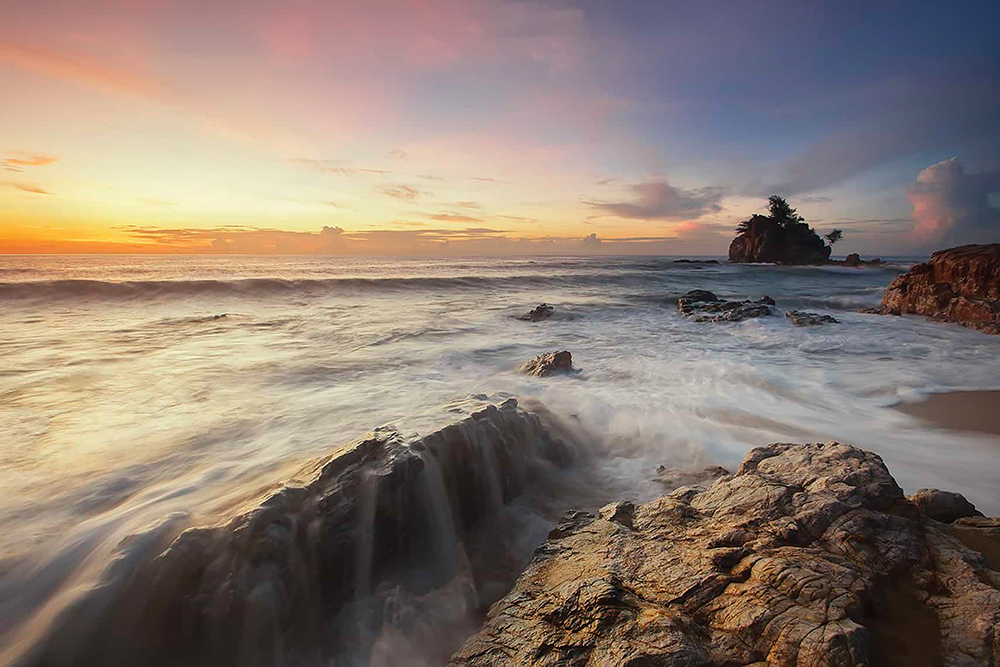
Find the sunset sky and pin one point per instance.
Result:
(468, 127)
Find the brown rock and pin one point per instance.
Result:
(944, 506)
(765, 240)
(804, 319)
(808, 556)
(854, 259)
(540, 312)
(957, 285)
(549, 363)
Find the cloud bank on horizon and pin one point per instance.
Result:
(493, 126)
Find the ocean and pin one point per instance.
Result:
(135, 387)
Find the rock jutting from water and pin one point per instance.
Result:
(704, 306)
(806, 319)
(810, 555)
(549, 363)
(542, 311)
(269, 586)
(959, 284)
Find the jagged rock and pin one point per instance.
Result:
(854, 259)
(960, 284)
(765, 240)
(270, 583)
(540, 312)
(804, 319)
(944, 506)
(549, 363)
(808, 556)
(705, 306)
(677, 477)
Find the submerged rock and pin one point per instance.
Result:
(804, 319)
(267, 587)
(548, 364)
(705, 306)
(944, 506)
(540, 312)
(809, 555)
(960, 285)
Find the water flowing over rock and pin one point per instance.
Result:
(705, 306)
(548, 364)
(805, 319)
(765, 240)
(960, 284)
(540, 312)
(808, 556)
(269, 586)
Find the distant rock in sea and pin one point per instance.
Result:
(809, 555)
(540, 312)
(778, 240)
(696, 261)
(960, 284)
(705, 306)
(549, 363)
(805, 319)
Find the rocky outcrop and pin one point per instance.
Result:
(957, 285)
(266, 588)
(696, 261)
(549, 363)
(704, 306)
(766, 240)
(805, 319)
(540, 312)
(854, 259)
(808, 556)
(944, 506)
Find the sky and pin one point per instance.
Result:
(469, 127)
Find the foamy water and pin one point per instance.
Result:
(133, 388)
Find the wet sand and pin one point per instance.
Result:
(977, 411)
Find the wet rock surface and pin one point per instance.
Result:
(809, 555)
(806, 319)
(960, 285)
(267, 587)
(549, 363)
(705, 306)
(542, 311)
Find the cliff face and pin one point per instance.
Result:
(764, 240)
(959, 284)
(808, 556)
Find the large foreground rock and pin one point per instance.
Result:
(960, 284)
(266, 588)
(809, 555)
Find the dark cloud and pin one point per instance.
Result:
(591, 241)
(952, 207)
(657, 200)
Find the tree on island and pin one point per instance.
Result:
(782, 236)
(834, 236)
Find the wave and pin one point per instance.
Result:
(145, 289)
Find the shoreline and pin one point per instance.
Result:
(975, 411)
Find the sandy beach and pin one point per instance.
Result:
(977, 411)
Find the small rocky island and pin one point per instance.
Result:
(960, 284)
(781, 237)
